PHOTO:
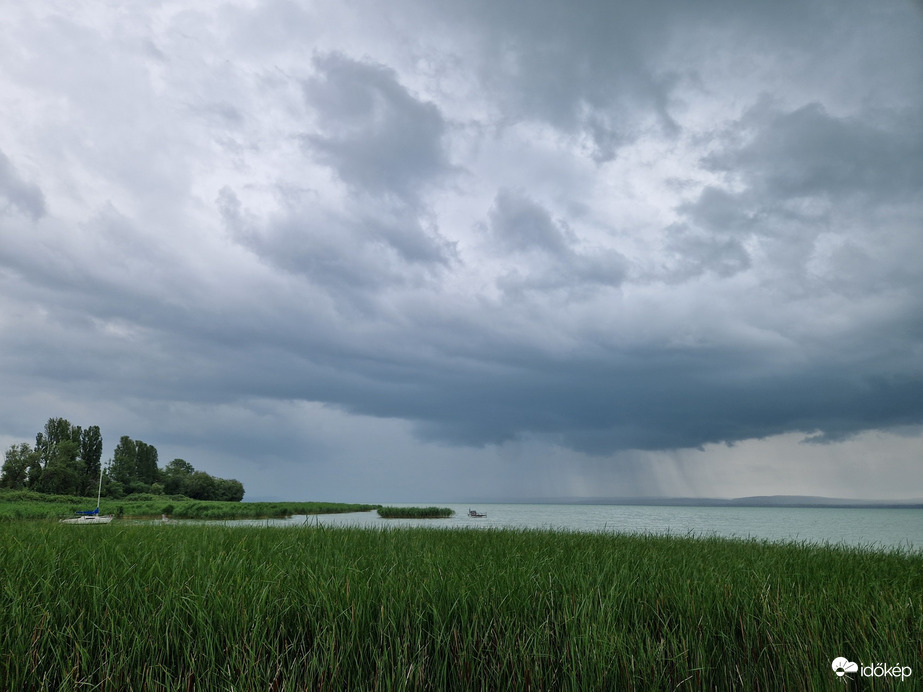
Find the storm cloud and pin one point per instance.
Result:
(346, 239)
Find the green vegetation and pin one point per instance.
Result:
(215, 607)
(66, 461)
(23, 504)
(415, 512)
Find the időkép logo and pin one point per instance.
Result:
(841, 666)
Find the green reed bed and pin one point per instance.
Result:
(29, 505)
(415, 512)
(192, 509)
(178, 607)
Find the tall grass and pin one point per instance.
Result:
(415, 512)
(227, 608)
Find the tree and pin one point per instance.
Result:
(56, 466)
(114, 490)
(91, 452)
(58, 469)
(123, 468)
(146, 470)
(134, 465)
(35, 471)
(15, 472)
(57, 431)
(61, 475)
(174, 474)
(66, 460)
(230, 490)
(179, 467)
(199, 486)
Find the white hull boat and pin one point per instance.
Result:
(89, 519)
(93, 516)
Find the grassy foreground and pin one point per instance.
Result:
(22, 504)
(177, 607)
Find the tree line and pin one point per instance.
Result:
(66, 460)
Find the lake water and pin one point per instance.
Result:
(866, 527)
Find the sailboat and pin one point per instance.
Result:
(91, 516)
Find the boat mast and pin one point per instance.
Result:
(99, 493)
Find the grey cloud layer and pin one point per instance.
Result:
(490, 223)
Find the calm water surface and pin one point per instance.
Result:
(873, 528)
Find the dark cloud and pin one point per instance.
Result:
(222, 115)
(25, 197)
(651, 399)
(377, 136)
(351, 255)
(597, 69)
(520, 226)
(696, 253)
(581, 71)
(387, 147)
(810, 153)
(802, 184)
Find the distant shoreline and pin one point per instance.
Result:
(794, 501)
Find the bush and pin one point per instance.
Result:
(143, 497)
(137, 487)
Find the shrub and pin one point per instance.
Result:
(137, 487)
(143, 497)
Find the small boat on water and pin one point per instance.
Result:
(91, 516)
(475, 513)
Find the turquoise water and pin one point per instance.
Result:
(871, 528)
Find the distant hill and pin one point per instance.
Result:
(813, 501)
(753, 501)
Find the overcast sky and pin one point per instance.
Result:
(431, 250)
